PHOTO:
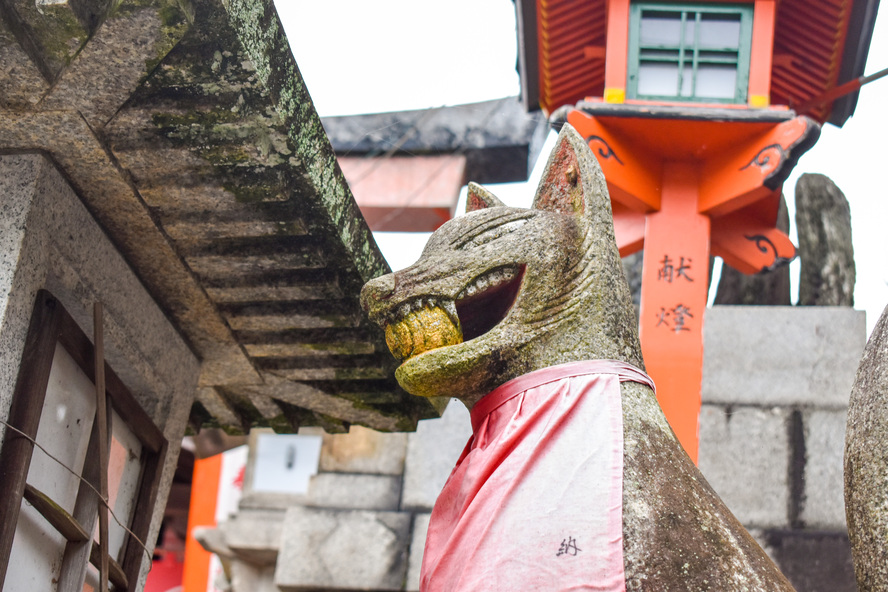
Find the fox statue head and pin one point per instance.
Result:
(502, 291)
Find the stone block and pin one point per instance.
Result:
(824, 502)
(745, 455)
(354, 492)
(341, 491)
(432, 452)
(363, 450)
(781, 355)
(254, 535)
(814, 561)
(342, 550)
(417, 546)
(249, 577)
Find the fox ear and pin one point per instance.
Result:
(572, 182)
(480, 198)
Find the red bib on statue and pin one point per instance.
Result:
(535, 502)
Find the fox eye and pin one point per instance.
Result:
(494, 233)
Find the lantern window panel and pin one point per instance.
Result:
(50, 459)
(689, 52)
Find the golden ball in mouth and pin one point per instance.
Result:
(421, 331)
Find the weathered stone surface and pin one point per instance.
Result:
(216, 404)
(336, 491)
(677, 533)
(69, 139)
(54, 33)
(315, 541)
(20, 266)
(253, 536)
(744, 454)
(431, 454)
(21, 83)
(354, 492)
(781, 355)
(770, 288)
(417, 544)
(814, 561)
(255, 579)
(866, 462)
(187, 131)
(63, 249)
(364, 451)
(133, 38)
(541, 261)
(349, 408)
(823, 220)
(823, 506)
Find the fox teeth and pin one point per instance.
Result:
(492, 278)
(450, 308)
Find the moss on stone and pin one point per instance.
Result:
(56, 30)
(230, 94)
(279, 423)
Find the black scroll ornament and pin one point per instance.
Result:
(763, 158)
(604, 151)
(764, 245)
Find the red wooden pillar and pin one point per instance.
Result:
(673, 299)
(679, 202)
(617, 51)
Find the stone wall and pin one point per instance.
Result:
(775, 395)
(776, 384)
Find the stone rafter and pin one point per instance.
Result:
(186, 129)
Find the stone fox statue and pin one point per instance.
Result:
(573, 479)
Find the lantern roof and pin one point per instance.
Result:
(818, 45)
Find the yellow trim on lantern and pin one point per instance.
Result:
(615, 95)
(759, 101)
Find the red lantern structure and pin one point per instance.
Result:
(697, 112)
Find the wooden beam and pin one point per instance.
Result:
(104, 433)
(56, 515)
(115, 573)
(24, 415)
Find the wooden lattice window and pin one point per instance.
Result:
(49, 507)
(689, 52)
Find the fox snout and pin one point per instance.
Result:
(375, 292)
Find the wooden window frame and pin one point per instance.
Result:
(746, 14)
(51, 324)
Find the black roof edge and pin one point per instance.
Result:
(559, 117)
(860, 28)
(501, 141)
